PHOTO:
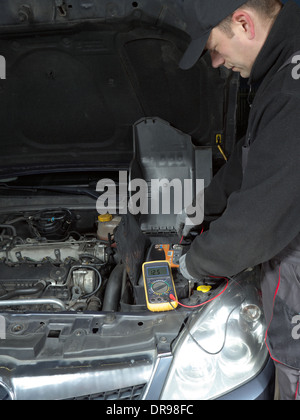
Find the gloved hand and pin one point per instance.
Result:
(183, 269)
(191, 215)
(182, 228)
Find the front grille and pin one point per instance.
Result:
(130, 393)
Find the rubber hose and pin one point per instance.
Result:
(24, 292)
(113, 289)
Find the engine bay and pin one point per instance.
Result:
(48, 266)
(53, 260)
(67, 258)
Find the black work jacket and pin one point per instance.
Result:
(255, 210)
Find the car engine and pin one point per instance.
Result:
(46, 265)
(53, 260)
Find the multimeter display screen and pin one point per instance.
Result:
(157, 271)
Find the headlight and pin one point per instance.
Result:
(221, 348)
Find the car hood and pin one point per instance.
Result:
(79, 74)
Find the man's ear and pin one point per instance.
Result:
(244, 22)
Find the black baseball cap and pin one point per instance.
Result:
(201, 17)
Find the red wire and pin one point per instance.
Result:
(204, 303)
(183, 236)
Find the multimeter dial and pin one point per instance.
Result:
(160, 287)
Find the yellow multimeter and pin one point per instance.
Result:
(159, 285)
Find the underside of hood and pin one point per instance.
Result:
(80, 74)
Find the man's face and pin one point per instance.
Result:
(234, 52)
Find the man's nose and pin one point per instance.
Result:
(216, 59)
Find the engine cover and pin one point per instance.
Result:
(36, 252)
(61, 274)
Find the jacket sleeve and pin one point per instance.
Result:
(263, 216)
